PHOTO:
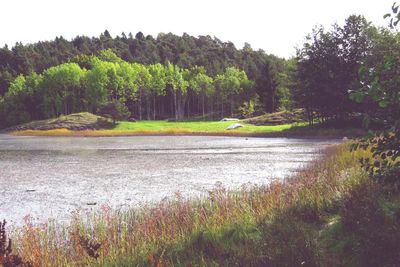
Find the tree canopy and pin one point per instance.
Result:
(182, 51)
(328, 66)
(148, 91)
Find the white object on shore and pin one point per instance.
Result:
(234, 126)
(229, 119)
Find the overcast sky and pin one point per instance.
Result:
(274, 26)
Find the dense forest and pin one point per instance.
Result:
(185, 77)
(208, 56)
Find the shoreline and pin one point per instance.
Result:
(252, 135)
(308, 134)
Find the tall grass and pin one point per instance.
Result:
(274, 225)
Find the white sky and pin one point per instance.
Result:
(274, 26)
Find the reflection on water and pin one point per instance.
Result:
(50, 177)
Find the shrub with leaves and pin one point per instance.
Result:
(380, 90)
(385, 164)
(251, 108)
(114, 110)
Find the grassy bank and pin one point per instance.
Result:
(330, 214)
(198, 128)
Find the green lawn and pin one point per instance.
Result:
(125, 128)
(207, 127)
(220, 128)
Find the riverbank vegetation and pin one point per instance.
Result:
(330, 214)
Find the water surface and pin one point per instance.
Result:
(51, 177)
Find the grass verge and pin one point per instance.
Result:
(200, 128)
(330, 214)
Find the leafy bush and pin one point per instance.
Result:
(250, 108)
(384, 165)
(114, 110)
(380, 83)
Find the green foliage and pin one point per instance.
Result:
(109, 56)
(128, 86)
(157, 80)
(61, 90)
(250, 108)
(366, 231)
(379, 74)
(328, 66)
(230, 85)
(385, 164)
(380, 91)
(286, 86)
(17, 86)
(285, 98)
(84, 61)
(114, 110)
(17, 106)
(96, 83)
(145, 90)
(153, 99)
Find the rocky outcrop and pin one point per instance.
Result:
(77, 121)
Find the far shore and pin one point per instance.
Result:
(303, 133)
(89, 125)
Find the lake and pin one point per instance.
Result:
(48, 178)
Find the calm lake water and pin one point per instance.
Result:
(48, 178)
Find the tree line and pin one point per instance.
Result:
(153, 91)
(183, 51)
